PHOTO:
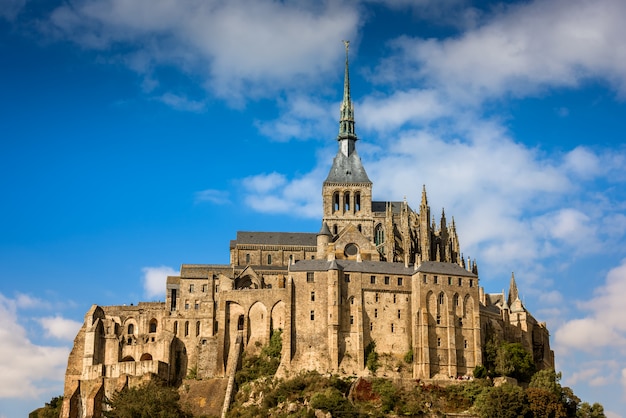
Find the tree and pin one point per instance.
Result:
(151, 400)
(51, 410)
(513, 360)
(506, 401)
(547, 379)
(590, 411)
(371, 357)
(545, 404)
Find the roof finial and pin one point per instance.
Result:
(346, 120)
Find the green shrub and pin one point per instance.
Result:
(371, 357)
(408, 357)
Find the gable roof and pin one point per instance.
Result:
(275, 238)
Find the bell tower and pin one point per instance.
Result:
(347, 191)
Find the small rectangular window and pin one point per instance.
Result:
(312, 296)
(346, 278)
(310, 277)
(391, 327)
(196, 305)
(394, 298)
(471, 282)
(371, 326)
(375, 313)
(399, 314)
(386, 279)
(449, 281)
(376, 296)
(204, 288)
(186, 304)
(190, 288)
(460, 281)
(217, 288)
(399, 281)
(424, 279)
(312, 315)
(436, 280)
(438, 342)
(351, 319)
(438, 319)
(373, 280)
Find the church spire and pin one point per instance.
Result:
(513, 292)
(347, 135)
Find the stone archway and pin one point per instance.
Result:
(278, 316)
(257, 326)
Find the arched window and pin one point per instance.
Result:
(131, 329)
(269, 259)
(186, 328)
(247, 258)
(379, 235)
(357, 202)
(197, 328)
(335, 201)
(145, 357)
(346, 201)
(153, 325)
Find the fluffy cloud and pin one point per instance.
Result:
(154, 280)
(520, 50)
(251, 48)
(59, 327)
(19, 354)
(601, 327)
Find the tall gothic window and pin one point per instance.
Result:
(357, 201)
(335, 201)
(346, 201)
(379, 235)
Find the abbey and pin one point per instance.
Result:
(376, 271)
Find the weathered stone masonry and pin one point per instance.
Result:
(376, 271)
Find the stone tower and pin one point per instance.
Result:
(347, 191)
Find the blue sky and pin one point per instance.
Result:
(137, 136)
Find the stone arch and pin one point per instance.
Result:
(257, 324)
(457, 305)
(233, 312)
(248, 280)
(146, 357)
(278, 316)
(468, 310)
(127, 358)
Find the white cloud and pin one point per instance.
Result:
(182, 103)
(59, 327)
(219, 197)
(601, 328)
(239, 48)
(154, 279)
(27, 369)
(263, 183)
(520, 50)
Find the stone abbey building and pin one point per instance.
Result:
(376, 271)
